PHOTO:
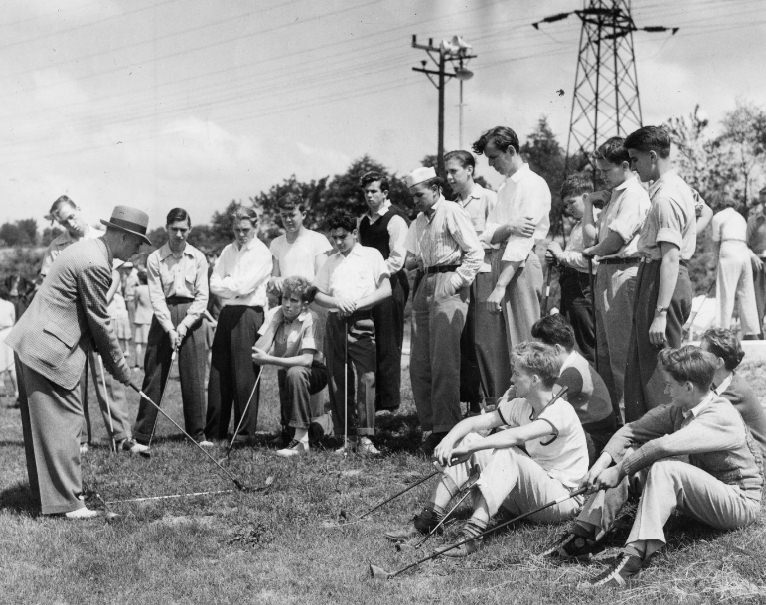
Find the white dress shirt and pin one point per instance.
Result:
(240, 274)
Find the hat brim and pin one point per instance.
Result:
(141, 236)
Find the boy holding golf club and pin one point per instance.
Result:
(555, 460)
(290, 341)
(350, 282)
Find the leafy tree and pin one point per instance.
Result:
(49, 234)
(19, 233)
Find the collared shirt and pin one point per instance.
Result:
(240, 274)
(624, 214)
(447, 238)
(352, 276)
(397, 237)
(728, 224)
(478, 204)
(522, 194)
(572, 255)
(693, 412)
(671, 218)
(183, 275)
(299, 257)
(721, 388)
(756, 233)
(61, 242)
(282, 338)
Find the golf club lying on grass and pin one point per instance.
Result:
(228, 473)
(265, 487)
(438, 471)
(446, 516)
(380, 573)
(148, 453)
(242, 417)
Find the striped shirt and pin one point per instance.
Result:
(446, 238)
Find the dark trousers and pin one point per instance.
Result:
(598, 434)
(296, 386)
(644, 384)
(470, 376)
(577, 307)
(355, 335)
(388, 317)
(192, 359)
(232, 372)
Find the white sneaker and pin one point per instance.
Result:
(367, 447)
(206, 443)
(84, 448)
(135, 447)
(295, 448)
(84, 513)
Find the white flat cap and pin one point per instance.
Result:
(420, 175)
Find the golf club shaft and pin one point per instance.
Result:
(162, 393)
(244, 412)
(190, 438)
(546, 291)
(446, 516)
(404, 491)
(592, 284)
(108, 403)
(148, 498)
(485, 533)
(345, 387)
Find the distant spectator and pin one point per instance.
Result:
(142, 318)
(7, 366)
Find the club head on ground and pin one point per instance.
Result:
(146, 454)
(378, 573)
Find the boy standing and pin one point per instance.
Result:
(290, 342)
(350, 282)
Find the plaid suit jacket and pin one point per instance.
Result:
(67, 314)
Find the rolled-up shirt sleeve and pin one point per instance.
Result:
(670, 221)
(534, 201)
(397, 243)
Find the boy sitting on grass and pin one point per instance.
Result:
(289, 341)
(720, 485)
(586, 390)
(555, 460)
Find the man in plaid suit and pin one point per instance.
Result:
(52, 340)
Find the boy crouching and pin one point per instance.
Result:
(555, 461)
(290, 341)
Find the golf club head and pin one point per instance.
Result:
(379, 573)
(146, 454)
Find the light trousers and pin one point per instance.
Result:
(734, 285)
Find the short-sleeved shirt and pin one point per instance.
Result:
(756, 233)
(572, 255)
(728, 224)
(478, 204)
(282, 338)
(522, 194)
(299, 257)
(586, 391)
(671, 219)
(624, 214)
(564, 454)
(354, 275)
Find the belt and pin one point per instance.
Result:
(178, 300)
(441, 268)
(357, 315)
(645, 260)
(620, 260)
(257, 308)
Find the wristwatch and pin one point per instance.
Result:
(658, 309)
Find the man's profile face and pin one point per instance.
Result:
(374, 196)
(69, 218)
(177, 234)
(458, 176)
(574, 206)
(644, 163)
(424, 196)
(501, 161)
(613, 174)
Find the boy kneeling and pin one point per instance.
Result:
(719, 486)
(556, 458)
(290, 341)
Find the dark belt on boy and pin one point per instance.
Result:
(620, 260)
(441, 269)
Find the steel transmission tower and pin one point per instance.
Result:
(605, 100)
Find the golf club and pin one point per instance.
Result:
(242, 417)
(228, 473)
(438, 471)
(547, 290)
(148, 453)
(380, 573)
(345, 389)
(267, 484)
(592, 284)
(446, 516)
(108, 403)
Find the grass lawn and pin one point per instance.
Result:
(283, 544)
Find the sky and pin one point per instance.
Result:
(194, 103)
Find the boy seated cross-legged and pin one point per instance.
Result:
(555, 460)
(720, 485)
(289, 340)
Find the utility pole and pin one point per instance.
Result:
(605, 100)
(448, 51)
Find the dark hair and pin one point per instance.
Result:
(649, 138)
(554, 330)
(291, 201)
(575, 184)
(689, 364)
(461, 155)
(299, 285)
(613, 150)
(538, 358)
(143, 278)
(372, 177)
(244, 213)
(340, 219)
(501, 137)
(60, 201)
(176, 215)
(724, 344)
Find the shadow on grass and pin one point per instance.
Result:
(19, 499)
